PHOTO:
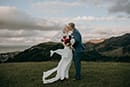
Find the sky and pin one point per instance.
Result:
(30, 22)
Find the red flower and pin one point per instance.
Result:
(66, 40)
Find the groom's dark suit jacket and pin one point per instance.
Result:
(79, 47)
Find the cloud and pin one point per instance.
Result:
(112, 6)
(19, 28)
(30, 36)
(93, 18)
(12, 18)
(90, 20)
(95, 2)
(25, 37)
(16, 33)
(120, 6)
(102, 32)
(55, 6)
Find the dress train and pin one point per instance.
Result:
(62, 68)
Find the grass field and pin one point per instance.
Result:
(94, 74)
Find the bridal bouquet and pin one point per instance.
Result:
(68, 40)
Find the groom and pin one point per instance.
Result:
(77, 53)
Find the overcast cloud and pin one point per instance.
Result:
(95, 19)
(12, 18)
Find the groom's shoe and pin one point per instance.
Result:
(76, 79)
(51, 53)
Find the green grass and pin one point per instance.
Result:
(94, 74)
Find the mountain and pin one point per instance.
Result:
(114, 43)
(116, 48)
(112, 49)
(40, 52)
(96, 41)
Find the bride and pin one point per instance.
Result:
(62, 69)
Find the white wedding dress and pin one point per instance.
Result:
(63, 66)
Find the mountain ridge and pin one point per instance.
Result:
(112, 49)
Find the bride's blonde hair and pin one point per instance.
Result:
(64, 30)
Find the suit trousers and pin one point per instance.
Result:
(77, 63)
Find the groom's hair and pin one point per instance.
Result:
(72, 25)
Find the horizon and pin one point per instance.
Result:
(15, 48)
(30, 22)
